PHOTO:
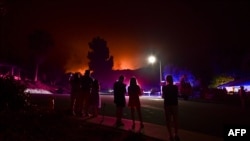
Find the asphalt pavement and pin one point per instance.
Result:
(151, 130)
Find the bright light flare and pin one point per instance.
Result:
(37, 91)
(151, 59)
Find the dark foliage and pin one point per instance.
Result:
(40, 42)
(100, 59)
(12, 96)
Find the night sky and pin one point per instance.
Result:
(194, 34)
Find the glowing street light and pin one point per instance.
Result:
(152, 60)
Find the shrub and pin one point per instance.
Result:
(12, 95)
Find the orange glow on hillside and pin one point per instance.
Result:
(127, 48)
(127, 52)
(122, 65)
(125, 62)
(73, 70)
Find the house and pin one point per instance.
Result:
(8, 69)
(233, 87)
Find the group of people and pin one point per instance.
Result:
(84, 95)
(134, 91)
(169, 94)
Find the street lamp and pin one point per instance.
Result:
(152, 60)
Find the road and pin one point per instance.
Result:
(203, 117)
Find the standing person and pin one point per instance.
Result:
(242, 94)
(134, 91)
(95, 98)
(75, 91)
(170, 96)
(119, 99)
(86, 85)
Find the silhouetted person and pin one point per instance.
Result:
(75, 84)
(170, 96)
(242, 95)
(185, 89)
(95, 97)
(86, 85)
(119, 99)
(134, 91)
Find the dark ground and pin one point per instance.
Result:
(54, 126)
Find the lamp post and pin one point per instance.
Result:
(152, 60)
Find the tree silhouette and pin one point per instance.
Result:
(39, 43)
(100, 59)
